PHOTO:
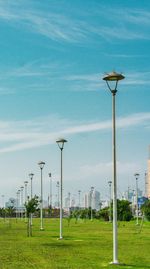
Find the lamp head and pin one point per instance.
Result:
(31, 175)
(136, 175)
(41, 164)
(60, 142)
(50, 174)
(112, 77)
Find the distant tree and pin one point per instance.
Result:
(84, 214)
(103, 214)
(2, 212)
(69, 217)
(31, 207)
(10, 211)
(145, 208)
(76, 215)
(124, 212)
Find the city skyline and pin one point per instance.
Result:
(52, 65)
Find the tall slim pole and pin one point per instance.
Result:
(115, 234)
(111, 79)
(41, 209)
(19, 204)
(31, 195)
(91, 202)
(22, 206)
(61, 198)
(79, 192)
(41, 165)
(60, 143)
(26, 199)
(50, 176)
(137, 208)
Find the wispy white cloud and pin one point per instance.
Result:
(64, 27)
(36, 133)
(105, 169)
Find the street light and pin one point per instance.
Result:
(26, 198)
(61, 143)
(109, 183)
(79, 192)
(137, 208)
(22, 207)
(91, 194)
(110, 79)
(31, 178)
(19, 203)
(41, 165)
(50, 177)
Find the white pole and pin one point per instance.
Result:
(61, 199)
(41, 209)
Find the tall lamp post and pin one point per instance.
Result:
(31, 178)
(41, 165)
(26, 198)
(110, 79)
(50, 177)
(22, 206)
(109, 184)
(79, 192)
(91, 200)
(61, 143)
(137, 208)
(19, 203)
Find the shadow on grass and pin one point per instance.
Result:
(123, 265)
(58, 245)
(65, 238)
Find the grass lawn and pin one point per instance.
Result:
(85, 245)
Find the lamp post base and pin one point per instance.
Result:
(115, 263)
(60, 238)
(41, 229)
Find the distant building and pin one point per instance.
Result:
(96, 200)
(67, 202)
(92, 199)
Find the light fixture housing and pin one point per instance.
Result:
(60, 142)
(112, 77)
(41, 164)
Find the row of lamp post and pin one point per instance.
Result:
(41, 164)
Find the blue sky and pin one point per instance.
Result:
(53, 57)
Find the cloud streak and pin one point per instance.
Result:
(29, 134)
(65, 28)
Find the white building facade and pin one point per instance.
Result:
(92, 199)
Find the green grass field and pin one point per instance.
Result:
(85, 245)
